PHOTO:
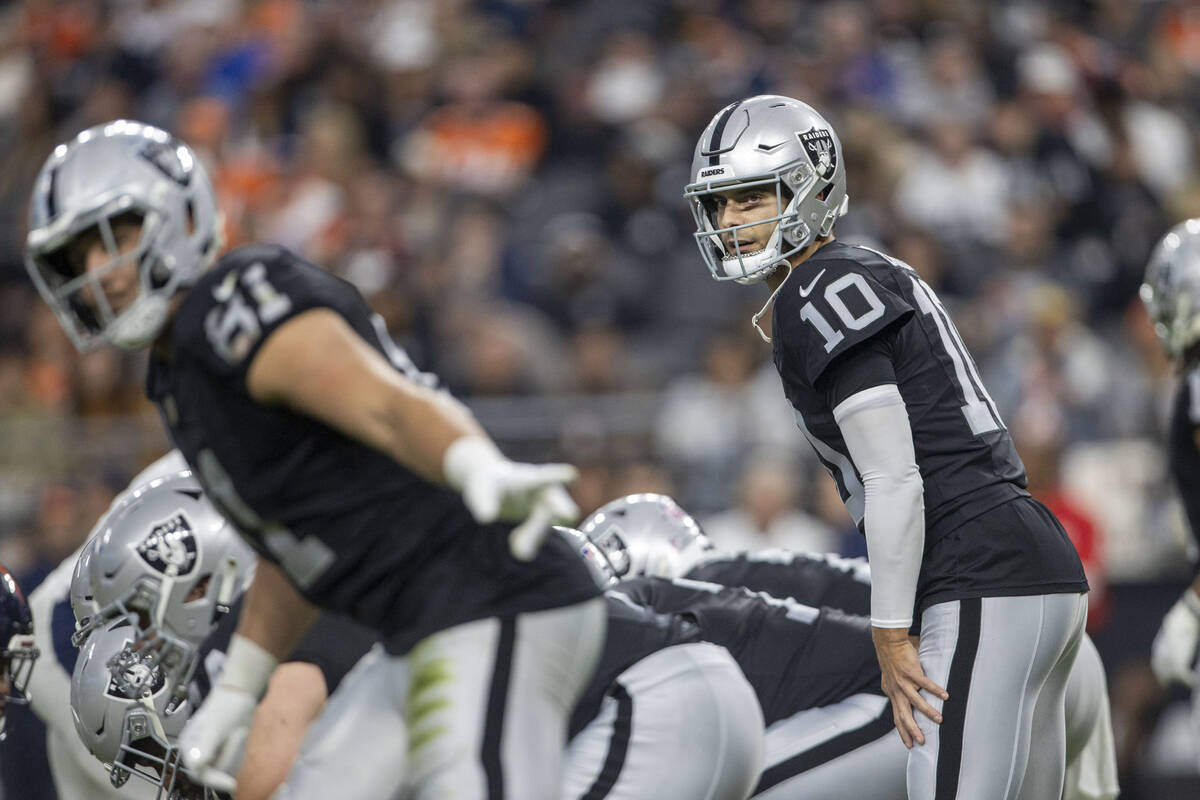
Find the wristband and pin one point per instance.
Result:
(248, 667)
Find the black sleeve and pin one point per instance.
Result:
(865, 365)
(256, 291)
(843, 306)
(334, 644)
(808, 578)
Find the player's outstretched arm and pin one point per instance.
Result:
(274, 618)
(317, 365)
(874, 424)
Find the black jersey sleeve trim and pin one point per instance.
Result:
(864, 366)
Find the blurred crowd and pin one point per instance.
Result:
(503, 179)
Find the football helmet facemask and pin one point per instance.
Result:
(128, 713)
(646, 534)
(18, 651)
(789, 151)
(166, 560)
(1171, 291)
(120, 170)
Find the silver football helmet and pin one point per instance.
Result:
(83, 602)
(791, 152)
(129, 170)
(1171, 291)
(165, 559)
(128, 714)
(646, 534)
(595, 559)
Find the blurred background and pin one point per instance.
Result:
(503, 179)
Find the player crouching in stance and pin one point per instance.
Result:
(18, 649)
(660, 696)
(128, 713)
(158, 576)
(364, 489)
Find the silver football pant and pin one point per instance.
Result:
(1005, 662)
(475, 712)
(681, 724)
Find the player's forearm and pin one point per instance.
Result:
(423, 424)
(875, 427)
(274, 615)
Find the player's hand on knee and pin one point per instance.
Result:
(902, 680)
(495, 488)
(213, 742)
(1176, 647)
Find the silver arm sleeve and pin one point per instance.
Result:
(875, 427)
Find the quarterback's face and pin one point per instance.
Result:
(743, 207)
(89, 253)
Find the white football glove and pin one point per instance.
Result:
(213, 743)
(495, 488)
(1175, 650)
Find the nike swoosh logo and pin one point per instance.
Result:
(805, 291)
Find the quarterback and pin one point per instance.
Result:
(890, 400)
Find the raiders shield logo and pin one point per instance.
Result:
(818, 145)
(165, 157)
(132, 676)
(170, 547)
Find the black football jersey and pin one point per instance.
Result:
(1183, 456)
(812, 579)
(634, 632)
(847, 303)
(355, 532)
(795, 657)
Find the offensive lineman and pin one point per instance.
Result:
(295, 696)
(1171, 293)
(364, 490)
(890, 400)
(650, 535)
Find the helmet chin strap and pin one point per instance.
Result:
(762, 312)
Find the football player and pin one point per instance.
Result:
(364, 489)
(892, 403)
(650, 534)
(814, 673)
(18, 648)
(1171, 293)
(164, 609)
